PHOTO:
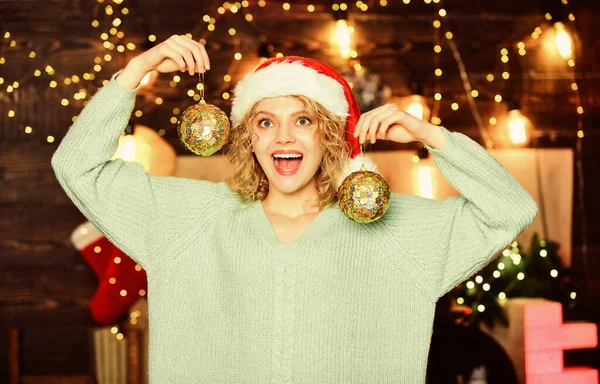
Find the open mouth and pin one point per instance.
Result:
(288, 163)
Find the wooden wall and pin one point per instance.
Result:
(45, 284)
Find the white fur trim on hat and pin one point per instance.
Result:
(286, 79)
(355, 165)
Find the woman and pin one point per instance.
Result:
(263, 279)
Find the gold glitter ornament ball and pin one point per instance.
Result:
(364, 196)
(203, 128)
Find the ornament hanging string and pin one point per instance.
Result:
(362, 155)
(202, 91)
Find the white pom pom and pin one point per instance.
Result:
(354, 165)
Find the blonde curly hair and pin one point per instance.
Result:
(248, 178)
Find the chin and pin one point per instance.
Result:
(288, 186)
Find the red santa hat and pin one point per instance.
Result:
(294, 75)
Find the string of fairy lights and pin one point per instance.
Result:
(513, 257)
(437, 50)
(113, 40)
(509, 262)
(113, 15)
(512, 253)
(471, 93)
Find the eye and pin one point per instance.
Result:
(304, 121)
(265, 123)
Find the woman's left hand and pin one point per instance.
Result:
(389, 122)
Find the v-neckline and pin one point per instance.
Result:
(317, 225)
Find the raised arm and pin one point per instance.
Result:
(463, 234)
(453, 238)
(118, 197)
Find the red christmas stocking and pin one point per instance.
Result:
(121, 280)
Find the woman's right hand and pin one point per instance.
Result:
(178, 52)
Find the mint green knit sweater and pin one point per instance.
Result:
(343, 303)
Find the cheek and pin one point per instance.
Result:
(320, 157)
(318, 148)
(254, 142)
(310, 139)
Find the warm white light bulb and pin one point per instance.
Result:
(136, 148)
(126, 149)
(516, 127)
(563, 41)
(343, 38)
(425, 182)
(415, 105)
(416, 109)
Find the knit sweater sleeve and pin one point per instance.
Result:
(128, 205)
(458, 236)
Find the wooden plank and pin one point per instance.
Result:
(46, 351)
(64, 379)
(35, 295)
(134, 353)
(39, 221)
(19, 254)
(71, 350)
(38, 235)
(13, 355)
(39, 288)
(46, 12)
(75, 315)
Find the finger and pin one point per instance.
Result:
(364, 126)
(387, 117)
(184, 52)
(358, 125)
(205, 55)
(174, 55)
(373, 129)
(195, 50)
(387, 122)
(206, 59)
(373, 132)
(190, 45)
(361, 122)
(371, 123)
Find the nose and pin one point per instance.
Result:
(285, 134)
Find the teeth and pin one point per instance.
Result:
(286, 156)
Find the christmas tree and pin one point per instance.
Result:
(514, 273)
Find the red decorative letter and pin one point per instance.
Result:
(546, 337)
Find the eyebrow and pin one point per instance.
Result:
(300, 112)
